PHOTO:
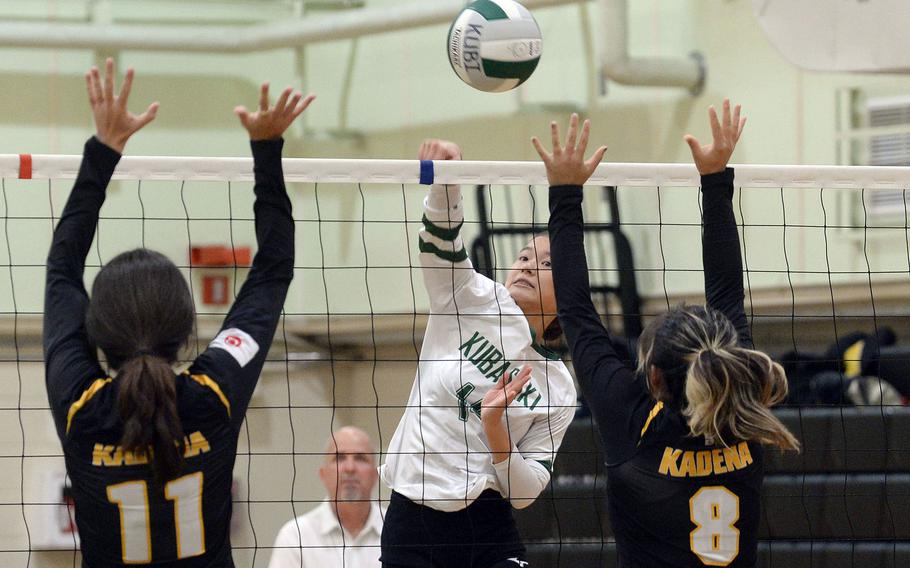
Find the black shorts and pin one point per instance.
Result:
(483, 535)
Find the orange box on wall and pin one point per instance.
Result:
(215, 290)
(220, 255)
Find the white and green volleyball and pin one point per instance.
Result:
(494, 45)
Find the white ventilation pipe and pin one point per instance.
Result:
(618, 66)
(225, 39)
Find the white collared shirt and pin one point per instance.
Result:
(317, 540)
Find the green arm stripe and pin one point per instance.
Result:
(440, 232)
(547, 464)
(450, 256)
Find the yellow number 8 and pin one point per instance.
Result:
(713, 511)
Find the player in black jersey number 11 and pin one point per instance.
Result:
(150, 452)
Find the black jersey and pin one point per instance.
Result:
(123, 515)
(674, 500)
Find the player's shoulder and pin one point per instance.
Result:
(93, 407)
(457, 288)
(560, 384)
(663, 424)
(199, 387)
(488, 292)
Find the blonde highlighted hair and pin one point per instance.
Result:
(725, 391)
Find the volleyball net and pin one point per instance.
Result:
(827, 271)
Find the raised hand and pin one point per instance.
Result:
(714, 157)
(269, 123)
(432, 149)
(493, 406)
(501, 395)
(567, 166)
(114, 124)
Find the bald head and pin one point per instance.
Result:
(349, 470)
(350, 437)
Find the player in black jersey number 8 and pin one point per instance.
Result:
(683, 439)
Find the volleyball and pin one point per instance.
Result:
(494, 45)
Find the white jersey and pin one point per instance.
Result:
(439, 455)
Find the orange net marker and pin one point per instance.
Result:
(25, 166)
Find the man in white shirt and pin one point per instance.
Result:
(343, 531)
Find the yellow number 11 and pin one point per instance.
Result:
(132, 500)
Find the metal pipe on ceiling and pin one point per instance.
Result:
(616, 63)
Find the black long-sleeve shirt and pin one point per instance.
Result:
(675, 500)
(122, 513)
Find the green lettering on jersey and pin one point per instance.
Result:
(463, 406)
(483, 354)
(524, 397)
(480, 356)
(465, 347)
(499, 371)
(487, 363)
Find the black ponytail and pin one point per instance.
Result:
(148, 408)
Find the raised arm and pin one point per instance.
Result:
(617, 398)
(567, 172)
(447, 269)
(237, 354)
(70, 360)
(720, 238)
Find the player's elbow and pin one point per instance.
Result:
(522, 502)
(524, 493)
(521, 480)
(530, 492)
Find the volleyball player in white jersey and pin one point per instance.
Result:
(469, 448)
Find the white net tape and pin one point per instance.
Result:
(462, 172)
